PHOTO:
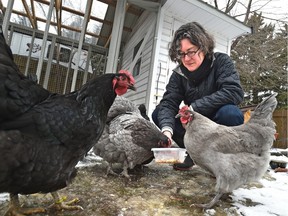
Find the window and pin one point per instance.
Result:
(136, 69)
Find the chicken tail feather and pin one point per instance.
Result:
(266, 108)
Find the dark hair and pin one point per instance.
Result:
(197, 35)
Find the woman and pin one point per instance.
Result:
(205, 80)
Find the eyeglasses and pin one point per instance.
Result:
(190, 54)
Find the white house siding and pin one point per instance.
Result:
(163, 71)
(147, 19)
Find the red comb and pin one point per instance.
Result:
(132, 80)
(184, 108)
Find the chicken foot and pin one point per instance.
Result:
(61, 205)
(15, 208)
(211, 203)
(123, 173)
(125, 170)
(110, 171)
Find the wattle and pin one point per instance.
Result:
(183, 120)
(121, 90)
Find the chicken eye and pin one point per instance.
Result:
(122, 78)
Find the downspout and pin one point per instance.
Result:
(156, 96)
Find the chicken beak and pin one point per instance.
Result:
(178, 115)
(132, 87)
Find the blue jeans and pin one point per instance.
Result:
(229, 115)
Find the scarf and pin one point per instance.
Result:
(197, 76)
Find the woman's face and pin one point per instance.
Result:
(191, 56)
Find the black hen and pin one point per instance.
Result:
(17, 92)
(52, 136)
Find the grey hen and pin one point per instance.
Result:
(234, 155)
(128, 137)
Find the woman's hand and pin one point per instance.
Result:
(169, 135)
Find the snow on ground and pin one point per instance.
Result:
(4, 197)
(90, 160)
(271, 199)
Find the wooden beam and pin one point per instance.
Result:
(29, 15)
(79, 13)
(58, 7)
(2, 7)
(55, 24)
(132, 10)
(33, 13)
(63, 26)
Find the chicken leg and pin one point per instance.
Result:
(125, 171)
(211, 203)
(15, 208)
(59, 203)
(110, 171)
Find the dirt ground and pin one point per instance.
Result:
(156, 190)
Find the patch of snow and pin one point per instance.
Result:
(270, 200)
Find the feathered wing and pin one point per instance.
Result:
(17, 92)
(135, 136)
(118, 143)
(107, 149)
(121, 105)
(20, 173)
(11, 141)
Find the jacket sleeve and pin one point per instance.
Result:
(229, 90)
(169, 105)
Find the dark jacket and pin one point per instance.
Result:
(221, 86)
